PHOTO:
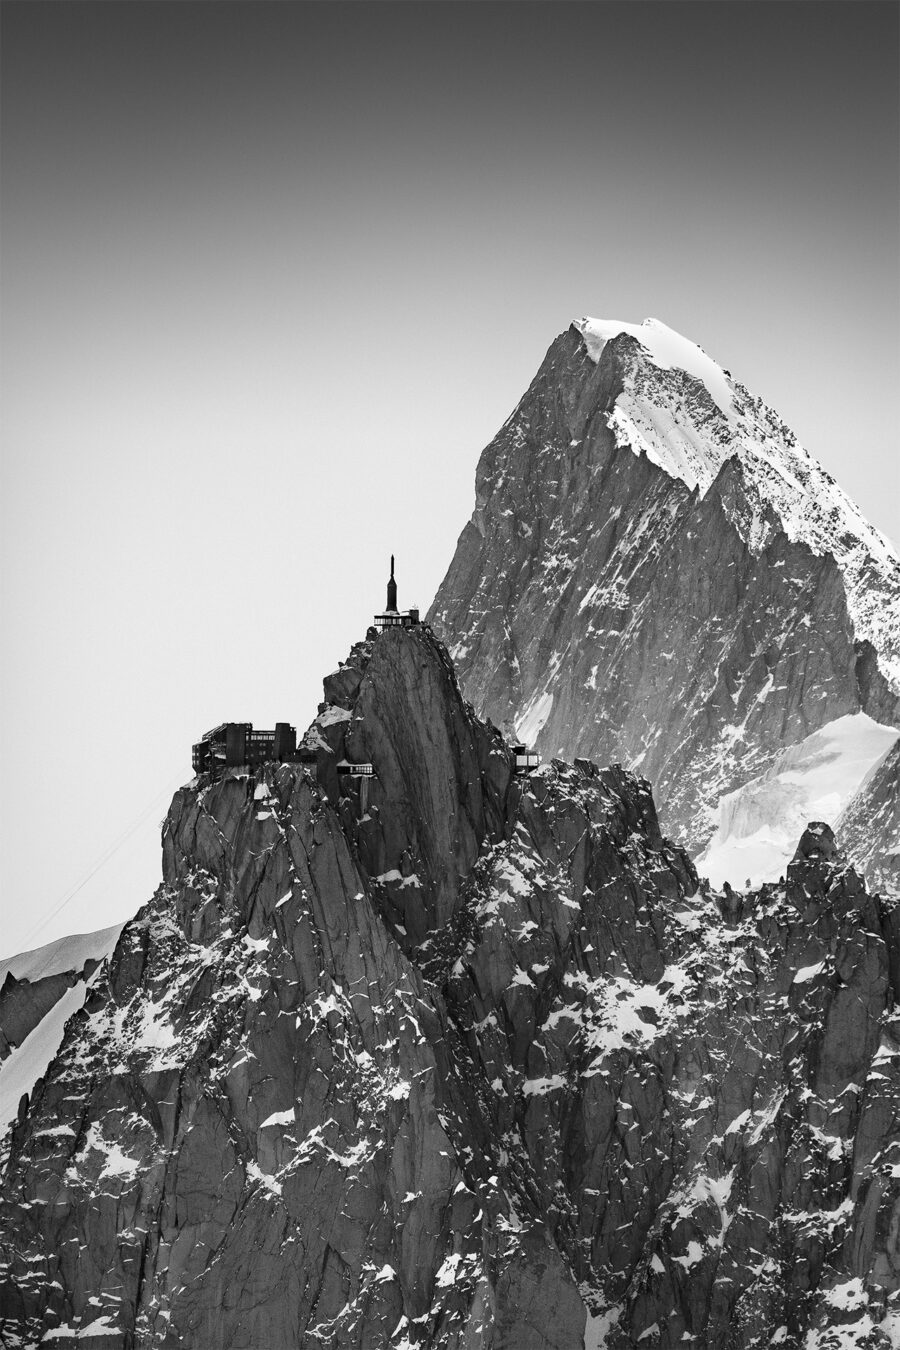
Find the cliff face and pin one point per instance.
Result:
(656, 573)
(454, 1058)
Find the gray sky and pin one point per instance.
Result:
(274, 274)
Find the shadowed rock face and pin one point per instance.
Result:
(24, 1002)
(612, 611)
(458, 1059)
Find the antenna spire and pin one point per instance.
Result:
(391, 606)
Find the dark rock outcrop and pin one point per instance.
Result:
(23, 1003)
(455, 1058)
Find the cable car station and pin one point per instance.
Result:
(236, 745)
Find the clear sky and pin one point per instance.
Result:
(272, 276)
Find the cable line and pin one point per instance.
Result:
(110, 853)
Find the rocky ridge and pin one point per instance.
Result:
(657, 573)
(454, 1058)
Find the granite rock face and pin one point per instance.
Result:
(457, 1058)
(652, 578)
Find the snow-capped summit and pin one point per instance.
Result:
(691, 436)
(667, 349)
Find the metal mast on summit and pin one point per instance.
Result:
(392, 617)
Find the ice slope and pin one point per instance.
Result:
(690, 432)
(814, 780)
(29, 1062)
(67, 953)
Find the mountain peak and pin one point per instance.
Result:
(651, 579)
(689, 426)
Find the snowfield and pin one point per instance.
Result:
(760, 823)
